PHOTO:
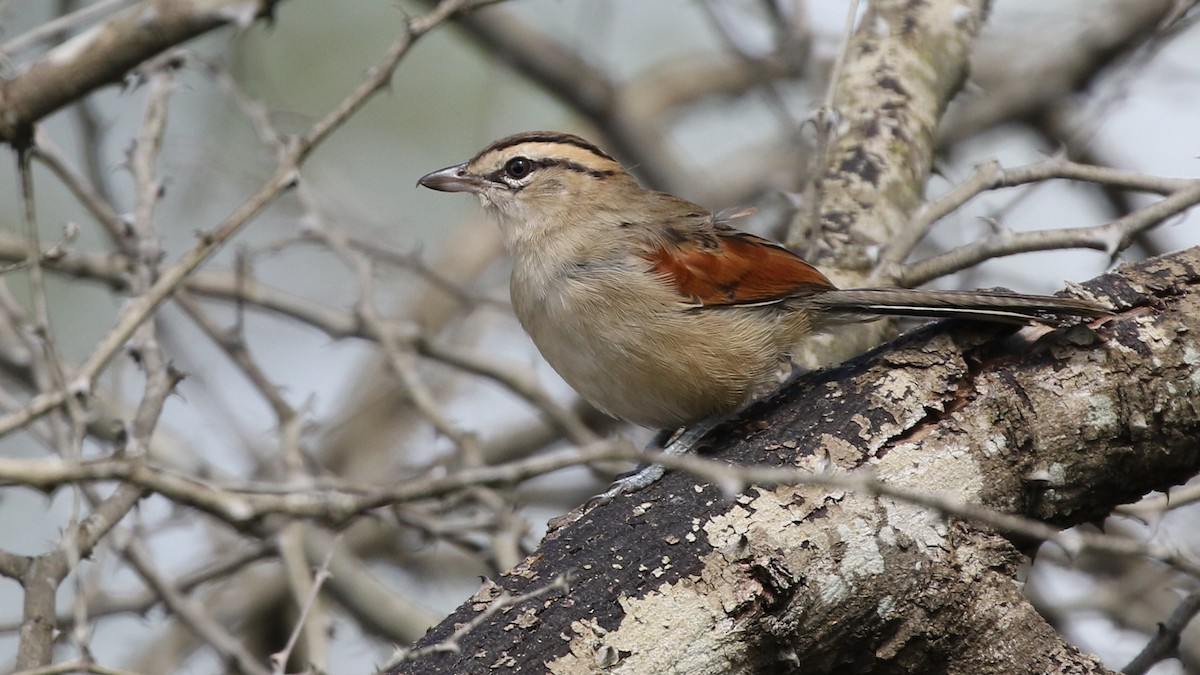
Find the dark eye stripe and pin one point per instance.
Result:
(499, 175)
(574, 166)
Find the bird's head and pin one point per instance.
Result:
(539, 181)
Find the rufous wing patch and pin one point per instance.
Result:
(735, 268)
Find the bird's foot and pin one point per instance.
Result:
(679, 442)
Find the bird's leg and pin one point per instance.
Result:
(685, 439)
(682, 441)
(679, 442)
(662, 438)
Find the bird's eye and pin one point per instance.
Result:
(518, 167)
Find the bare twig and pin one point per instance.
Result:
(589, 90)
(105, 53)
(243, 505)
(284, 177)
(280, 658)
(992, 176)
(1112, 237)
(103, 605)
(72, 667)
(1019, 83)
(192, 614)
(1160, 504)
(45, 151)
(44, 573)
(60, 26)
(238, 506)
(225, 285)
(1164, 644)
(378, 606)
(502, 602)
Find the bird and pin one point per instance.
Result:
(654, 309)
(658, 311)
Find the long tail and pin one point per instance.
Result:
(1001, 306)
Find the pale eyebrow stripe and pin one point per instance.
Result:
(543, 154)
(544, 137)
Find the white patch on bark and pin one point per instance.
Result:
(994, 445)
(865, 560)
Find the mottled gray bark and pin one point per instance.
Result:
(1062, 426)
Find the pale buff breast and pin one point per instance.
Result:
(630, 347)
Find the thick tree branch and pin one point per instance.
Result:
(904, 63)
(1062, 426)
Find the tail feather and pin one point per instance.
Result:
(998, 306)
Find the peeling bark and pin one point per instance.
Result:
(1059, 425)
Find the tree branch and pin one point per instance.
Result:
(106, 53)
(1052, 425)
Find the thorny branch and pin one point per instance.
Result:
(150, 286)
(503, 601)
(1112, 237)
(1166, 642)
(282, 178)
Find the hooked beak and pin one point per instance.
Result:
(453, 179)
